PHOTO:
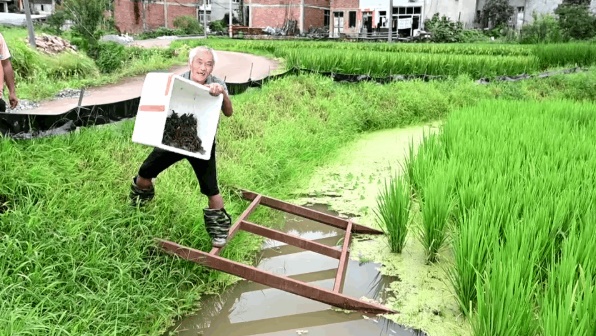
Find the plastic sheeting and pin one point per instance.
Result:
(28, 126)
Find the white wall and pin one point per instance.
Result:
(462, 10)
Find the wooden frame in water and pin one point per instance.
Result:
(332, 297)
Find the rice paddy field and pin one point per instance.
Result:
(382, 59)
(505, 190)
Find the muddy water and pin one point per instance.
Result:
(252, 309)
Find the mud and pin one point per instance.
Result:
(249, 308)
(181, 132)
(423, 296)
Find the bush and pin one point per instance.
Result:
(188, 25)
(544, 29)
(576, 21)
(161, 31)
(110, 56)
(443, 30)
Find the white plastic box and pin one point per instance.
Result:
(163, 93)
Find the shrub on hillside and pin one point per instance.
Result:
(30, 64)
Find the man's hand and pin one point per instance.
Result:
(13, 100)
(215, 89)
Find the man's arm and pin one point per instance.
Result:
(8, 75)
(226, 106)
(9, 79)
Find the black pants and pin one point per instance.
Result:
(205, 170)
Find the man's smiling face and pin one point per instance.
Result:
(201, 67)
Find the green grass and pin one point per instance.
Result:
(524, 194)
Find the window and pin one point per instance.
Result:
(202, 16)
(352, 19)
(326, 18)
(382, 23)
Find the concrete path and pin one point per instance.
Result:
(233, 66)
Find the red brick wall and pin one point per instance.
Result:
(313, 17)
(127, 21)
(318, 3)
(273, 16)
(345, 4)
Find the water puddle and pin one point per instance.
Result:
(249, 308)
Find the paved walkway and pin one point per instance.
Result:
(233, 66)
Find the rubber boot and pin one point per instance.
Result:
(140, 196)
(217, 224)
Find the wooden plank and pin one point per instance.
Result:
(309, 213)
(292, 240)
(343, 260)
(272, 280)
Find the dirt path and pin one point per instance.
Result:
(350, 185)
(233, 66)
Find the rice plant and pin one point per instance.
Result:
(523, 178)
(436, 210)
(393, 212)
(387, 63)
(472, 247)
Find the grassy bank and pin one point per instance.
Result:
(506, 189)
(40, 75)
(77, 260)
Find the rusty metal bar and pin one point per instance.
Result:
(269, 279)
(308, 213)
(289, 239)
(343, 260)
(253, 205)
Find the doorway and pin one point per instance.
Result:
(338, 23)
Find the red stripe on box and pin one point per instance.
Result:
(168, 85)
(152, 108)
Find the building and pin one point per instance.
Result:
(275, 13)
(354, 17)
(349, 17)
(38, 7)
(524, 9)
(218, 9)
(135, 16)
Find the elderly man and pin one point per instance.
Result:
(7, 75)
(217, 220)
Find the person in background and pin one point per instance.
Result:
(7, 76)
(217, 221)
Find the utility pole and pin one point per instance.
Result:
(205, 18)
(29, 23)
(165, 12)
(230, 19)
(390, 21)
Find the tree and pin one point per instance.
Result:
(496, 12)
(87, 17)
(576, 20)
